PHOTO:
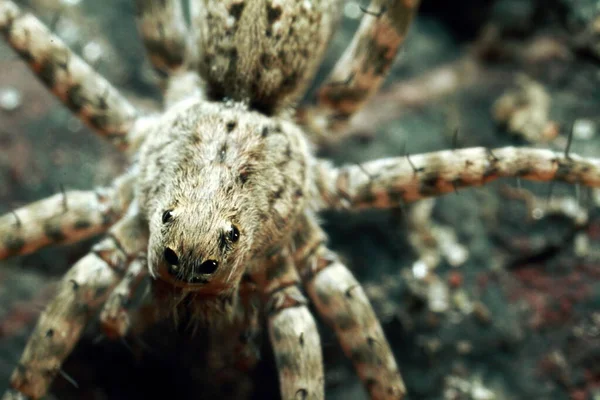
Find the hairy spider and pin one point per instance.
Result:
(218, 209)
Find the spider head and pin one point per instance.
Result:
(195, 249)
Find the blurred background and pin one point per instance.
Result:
(489, 293)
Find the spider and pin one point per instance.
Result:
(219, 207)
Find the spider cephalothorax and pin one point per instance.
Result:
(219, 210)
(220, 186)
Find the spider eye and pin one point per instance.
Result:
(167, 216)
(207, 267)
(234, 234)
(171, 257)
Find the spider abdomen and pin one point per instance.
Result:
(261, 51)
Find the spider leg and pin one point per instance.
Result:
(391, 182)
(292, 330)
(361, 69)
(115, 315)
(83, 289)
(165, 35)
(163, 29)
(70, 78)
(341, 301)
(64, 218)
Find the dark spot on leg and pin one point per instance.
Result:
(265, 131)
(5, 30)
(396, 196)
(14, 244)
(277, 334)
(429, 185)
(75, 99)
(47, 73)
(53, 231)
(323, 296)
(366, 196)
(369, 383)
(363, 354)
(287, 361)
(82, 224)
(74, 284)
(231, 126)
(524, 171)
(98, 121)
(49, 333)
(344, 321)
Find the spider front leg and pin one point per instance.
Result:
(64, 218)
(391, 182)
(80, 88)
(341, 301)
(115, 315)
(292, 330)
(82, 291)
(362, 68)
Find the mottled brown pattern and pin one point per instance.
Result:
(84, 288)
(394, 181)
(48, 221)
(94, 99)
(114, 317)
(292, 330)
(361, 69)
(341, 301)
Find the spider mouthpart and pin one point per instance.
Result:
(234, 234)
(207, 267)
(167, 216)
(171, 257)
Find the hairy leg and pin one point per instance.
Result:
(162, 26)
(64, 218)
(292, 330)
(361, 69)
(165, 35)
(341, 301)
(82, 291)
(71, 79)
(391, 182)
(115, 315)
